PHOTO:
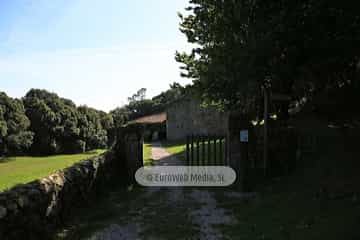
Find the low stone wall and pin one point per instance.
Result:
(36, 209)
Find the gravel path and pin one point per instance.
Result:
(169, 213)
(162, 158)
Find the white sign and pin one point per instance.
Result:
(244, 135)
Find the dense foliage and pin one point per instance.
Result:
(174, 93)
(139, 105)
(14, 135)
(61, 127)
(43, 123)
(297, 48)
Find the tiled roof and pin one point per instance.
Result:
(155, 118)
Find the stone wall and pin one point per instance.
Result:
(34, 210)
(188, 117)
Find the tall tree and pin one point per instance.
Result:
(164, 99)
(140, 95)
(61, 127)
(91, 129)
(53, 120)
(15, 138)
(298, 48)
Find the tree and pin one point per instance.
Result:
(14, 135)
(91, 129)
(140, 95)
(107, 123)
(139, 106)
(120, 116)
(53, 120)
(164, 99)
(220, 64)
(61, 127)
(297, 48)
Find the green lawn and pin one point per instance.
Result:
(147, 154)
(15, 170)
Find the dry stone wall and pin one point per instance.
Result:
(34, 210)
(37, 209)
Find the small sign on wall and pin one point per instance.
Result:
(244, 135)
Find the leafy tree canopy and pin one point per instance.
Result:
(61, 127)
(297, 48)
(14, 135)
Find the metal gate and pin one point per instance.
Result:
(206, 150)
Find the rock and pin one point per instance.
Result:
(22, 201)
(3, 212)
(46, 185)
(33, 193)
(57, 178)
(12, 207)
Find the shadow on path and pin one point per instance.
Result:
(157, 212)
(163, 158)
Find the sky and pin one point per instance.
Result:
(94, 52)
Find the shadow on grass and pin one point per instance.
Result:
(176, 148)
(177, 159)
(6, 159)
(105, 207)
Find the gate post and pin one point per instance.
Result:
(187, 150)
(129, 151)
(238, 149)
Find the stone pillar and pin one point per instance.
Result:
(238, 150)
(129, 151)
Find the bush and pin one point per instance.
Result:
(19, 143)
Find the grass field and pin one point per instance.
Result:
(147, 154)
(15, 170)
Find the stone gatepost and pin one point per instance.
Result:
(238, 137)
(129, 151)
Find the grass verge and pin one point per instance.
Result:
(15, 170)
(147, 160)
(298, 213)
